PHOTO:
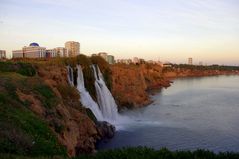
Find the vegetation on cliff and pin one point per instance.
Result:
(21, 131)
(40, 113)
(209, 67)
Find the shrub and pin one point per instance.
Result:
(25, 69)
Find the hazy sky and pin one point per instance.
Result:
(172, 30)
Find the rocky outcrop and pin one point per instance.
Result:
(105, 129)
(131, 82)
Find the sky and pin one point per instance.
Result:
(166, 30)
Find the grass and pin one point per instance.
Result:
(21, 131)
(46, 94)
(22, 68)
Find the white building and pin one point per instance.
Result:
(57, 52)
(110, 59)
(31, 51)
(51, 53)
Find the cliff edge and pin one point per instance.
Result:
(130, 83)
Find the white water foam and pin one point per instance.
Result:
(86, 99)
(106, 108)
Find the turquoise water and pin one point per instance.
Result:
(194, 113)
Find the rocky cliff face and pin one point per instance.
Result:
(131, 82)
(80, 132)
(45, 110)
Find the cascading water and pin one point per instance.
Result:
(86, 99)
(106, 109)
(70, 76)
(105, 99)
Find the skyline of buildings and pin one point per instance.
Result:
(34, 50)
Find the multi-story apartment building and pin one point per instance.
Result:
(73, 48)
(190, 61)
(110, 59)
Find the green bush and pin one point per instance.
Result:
(25, 69)
(148, 153)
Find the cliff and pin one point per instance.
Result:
(196, 72)
(40, 114)
(131, 82)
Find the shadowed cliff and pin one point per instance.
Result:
(40, 113)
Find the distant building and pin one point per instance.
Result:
(17, 54)
(2, 54)
(200, 63)
(125, 61)
(61, 52)
(51, 53)
(57, 52)
(167, 64)
(31, 51)
(73, 48)
(154, 62)
(136, 60)
(103, 55)
(142, 61)
(110, 59)
(190, 61)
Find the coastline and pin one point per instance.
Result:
(133, 85)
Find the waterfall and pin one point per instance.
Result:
(106, 109)
(105, 99)
(85, 97)
(70, 75)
